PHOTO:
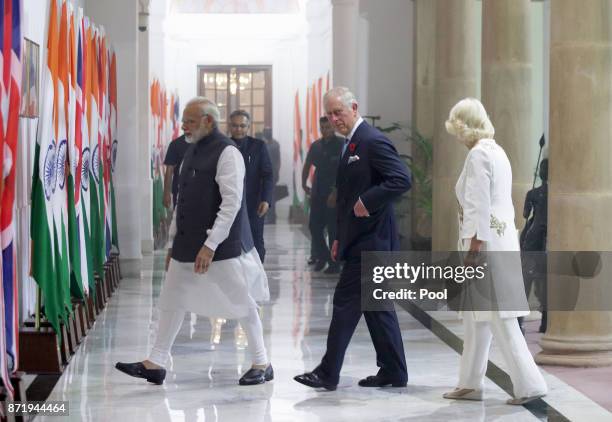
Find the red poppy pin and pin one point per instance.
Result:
(352, 147)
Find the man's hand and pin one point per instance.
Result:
(360, 210)
(203, 260)
(334, 251)
(307, 190)
(262, 209)
(331, 199)
(168, 256)
(167, 199)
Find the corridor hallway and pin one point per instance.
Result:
(202, 384)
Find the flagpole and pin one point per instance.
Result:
(38, 304)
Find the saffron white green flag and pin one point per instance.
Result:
(43, 229)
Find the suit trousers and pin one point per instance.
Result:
(322, 217)
(526, 377)
(257, 230)
(382, 325)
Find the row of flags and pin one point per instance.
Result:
(73, 223)
(306, 132)
(10, 102)
(165, 120)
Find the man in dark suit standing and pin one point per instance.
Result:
(324, 155)
(174, 158)
(258, 178)
(370, 176)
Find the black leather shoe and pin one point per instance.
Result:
(378, 381)
(138, 370)
(334, 268)
(320, 265)
(312, 379)
(256, 376)
(312, 261)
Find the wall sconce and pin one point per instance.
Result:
(143, 15)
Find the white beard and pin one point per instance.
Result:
(196, 136)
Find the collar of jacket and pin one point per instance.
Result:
(213, 134)
(356, 136)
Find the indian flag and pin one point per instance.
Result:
(44, 232)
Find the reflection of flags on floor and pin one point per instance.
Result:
(10, 92)
(297, 152)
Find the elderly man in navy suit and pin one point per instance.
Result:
(370, 176)
(259, 182)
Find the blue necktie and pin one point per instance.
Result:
(346, 142)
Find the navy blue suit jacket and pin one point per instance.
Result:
(378, 177)
(259, 182)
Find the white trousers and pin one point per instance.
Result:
(170, 323)
(526, 377)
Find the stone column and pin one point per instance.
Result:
(423, 102)
(120, 20)
(580, 190)
(144, 125)
(345, 24)
(506, 88)
(456, 78)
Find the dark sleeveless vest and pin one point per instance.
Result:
(199, 200)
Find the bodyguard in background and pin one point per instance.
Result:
(174, 157)
(324, 155)
(370, 176)
(259, 175)
(275, 157)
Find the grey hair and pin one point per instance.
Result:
(207, 106)
(469, 122)
(343, 94)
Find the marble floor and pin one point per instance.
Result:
(202, 381)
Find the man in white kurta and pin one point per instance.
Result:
(228, 288)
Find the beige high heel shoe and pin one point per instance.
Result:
(464, 394)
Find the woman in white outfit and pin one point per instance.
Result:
(486, 214)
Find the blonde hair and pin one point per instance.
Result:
(469, 122)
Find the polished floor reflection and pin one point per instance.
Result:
(202, 384)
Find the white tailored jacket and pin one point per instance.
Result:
(484, 196)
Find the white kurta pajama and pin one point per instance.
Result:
(484, 194)
(230, 288)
